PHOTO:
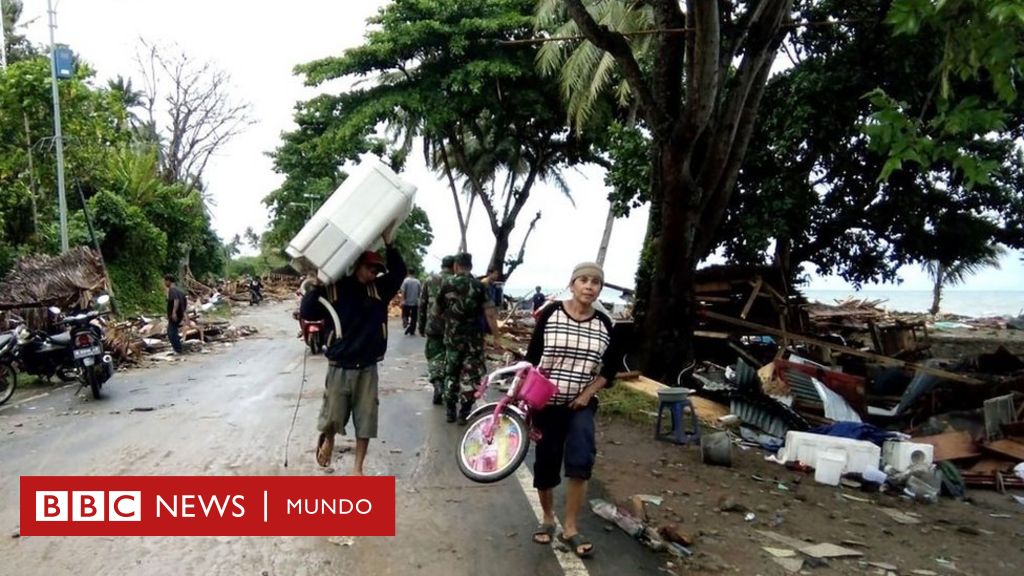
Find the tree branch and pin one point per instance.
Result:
(513, 264)
(702, 86)
(615, 44)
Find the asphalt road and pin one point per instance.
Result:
(228, 413)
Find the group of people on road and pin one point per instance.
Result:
(571, 344)
(456, 310)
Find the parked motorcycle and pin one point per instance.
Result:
(75, 354)
(94, 365)
(8, 376)
(39, 353)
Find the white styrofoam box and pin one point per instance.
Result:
(903, 455)
(806, 447)
(352, 220)
(830, 467)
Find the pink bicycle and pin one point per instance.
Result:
(498, 434)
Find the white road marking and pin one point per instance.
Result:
(571, 564)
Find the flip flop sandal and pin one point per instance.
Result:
(576, 542)
(324, 460)
(544, 530)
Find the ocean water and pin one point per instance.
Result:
(973, 303)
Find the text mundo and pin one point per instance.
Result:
(333, 506)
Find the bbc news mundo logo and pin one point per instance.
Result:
(207, 506)
(88, 506)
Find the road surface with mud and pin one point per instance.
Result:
(227, 413)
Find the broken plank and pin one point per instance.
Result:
(951, 446)
(1008, 448)
(783, 539)
(900, 517)
(827, 550)
(753, 296)
(790, 565)
(884, 360)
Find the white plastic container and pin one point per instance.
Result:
(352, 220)
(902, 455)
(830, 467)
(807, 447)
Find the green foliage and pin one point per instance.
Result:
(588, 75)
(976, 73)
(144, 226)
(810, 189)
(629, 173)
(439, 73)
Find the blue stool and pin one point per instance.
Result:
(682, 432)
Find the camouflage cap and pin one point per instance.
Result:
(448, 262)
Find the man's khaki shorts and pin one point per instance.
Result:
(350, 393)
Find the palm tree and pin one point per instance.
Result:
(956, 271)
(586, 73)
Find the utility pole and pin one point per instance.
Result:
(58, 137)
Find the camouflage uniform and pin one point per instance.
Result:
(462, 302)
(431, 325)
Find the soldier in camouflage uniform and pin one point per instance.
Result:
(431, 325)
(462, 302)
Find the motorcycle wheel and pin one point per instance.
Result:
(314, 343)
(8, 381)
(506, 451)
(93, 382)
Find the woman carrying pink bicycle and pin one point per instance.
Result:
(571, 346)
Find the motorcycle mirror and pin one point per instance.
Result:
(103, 300)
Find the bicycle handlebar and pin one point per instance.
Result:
(517, 367)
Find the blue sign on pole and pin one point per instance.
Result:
(65, 62)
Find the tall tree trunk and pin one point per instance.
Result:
(940, 279)
(668, 335)
(463, 222)
(609, 222)
(501, 244)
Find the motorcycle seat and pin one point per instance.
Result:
(63, 339)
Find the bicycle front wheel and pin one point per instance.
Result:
(485, 462)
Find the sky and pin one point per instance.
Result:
(259, 44)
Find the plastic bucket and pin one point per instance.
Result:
(536, 389)
(829, 467)
(716, 449)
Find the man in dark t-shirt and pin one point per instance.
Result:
(177, 303)
(538, 299)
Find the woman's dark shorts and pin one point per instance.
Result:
(568, 437)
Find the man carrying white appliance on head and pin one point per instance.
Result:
(360, 301)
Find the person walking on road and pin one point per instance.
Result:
(431, 325)
(462, 302)
(572, 346)
(410, 303)
(177, 304)
(360, 301)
